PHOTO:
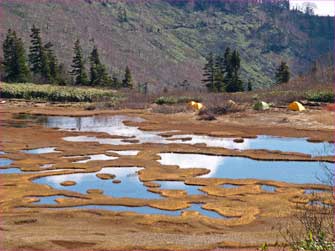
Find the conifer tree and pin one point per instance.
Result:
(52, 62)
(38, 58)
(282, 73)
(127, 82)
(249, 86)
(98, 73)
(219, 74)
(8, 54)
(227, 67)
(15, 62)
(78, 65)
(209, 73)
(235, 84)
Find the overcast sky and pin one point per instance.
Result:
(324, 7)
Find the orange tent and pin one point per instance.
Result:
(195, 105)
(296, 106)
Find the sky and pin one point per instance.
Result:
(324, 7)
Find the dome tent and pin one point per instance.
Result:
(261, 106)
(296, 106)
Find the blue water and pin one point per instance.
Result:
(10, 171)
(5, 162)
(284, 144)
(179, 185)
(315, 191)
(140, 210)
(130, 185)
(268, 188)
(244, 168)
(42, 150)
(114, 125)
(48, 199)
(2, 152)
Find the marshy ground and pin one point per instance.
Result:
(135, 179)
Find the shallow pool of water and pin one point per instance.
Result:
(245, 168)
(5, 162)
(315, 191)
(50, 200)
(230, 186)
(130, 185)
(283, 144)
(179, 185)
(12, 170)
(96, 157)
(268, 188)
(114, 125)
(140, 210)
(126, 152)
(42, 150)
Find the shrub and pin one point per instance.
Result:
(171, 100)
(56, 93)
(321, 96)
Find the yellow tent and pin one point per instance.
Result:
(195, 105)
(296, 106)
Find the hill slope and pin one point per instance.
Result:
(165, 42)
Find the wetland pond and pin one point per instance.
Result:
(129, 185)
(114, 125)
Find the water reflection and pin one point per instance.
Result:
(140, 210)
(5, 162)
(245, 168)
(41, 150)
(268, 188)
(126, 152)
(283, 144)
(114, 125)
(230, 186)
(12, 170)
(130, 185)
(179, 185)
(315, 191)
(51, 200)
(96, 157)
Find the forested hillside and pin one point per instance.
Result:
(165, 42)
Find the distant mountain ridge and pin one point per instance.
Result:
(165, 41)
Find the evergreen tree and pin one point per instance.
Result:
(38, 58)
(35, 51)
(209, 73)
(219, 74)
(282, 73)
(98, 73)
(52, 62)
(15, 62)
(78, 65)
(234, 83)
(228, 71)
(249, 86)
(8, 54)
(127, 82)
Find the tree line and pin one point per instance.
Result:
(42, 65)
(222, 73)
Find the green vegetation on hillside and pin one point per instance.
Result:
(166, 43)
(44, 66)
